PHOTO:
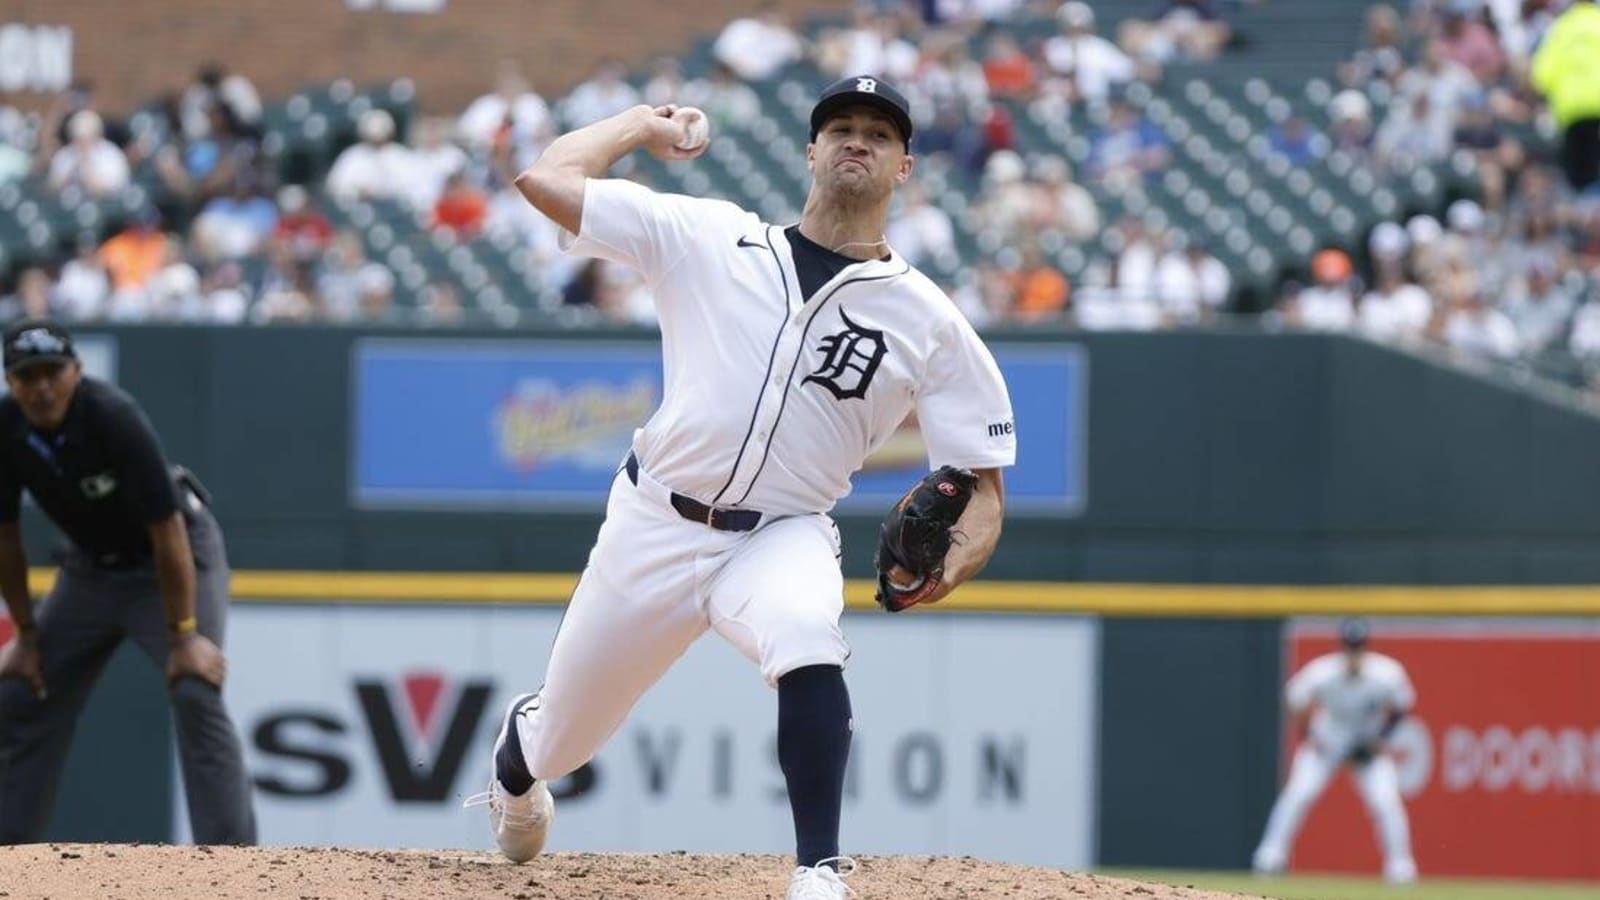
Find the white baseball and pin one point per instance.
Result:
(696, 127)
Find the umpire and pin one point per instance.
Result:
(144, 559)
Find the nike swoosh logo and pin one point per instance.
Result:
(747, 243)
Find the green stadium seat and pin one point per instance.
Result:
(1225, 187)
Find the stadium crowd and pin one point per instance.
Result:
(1513, 274)
(192, 260)
(1509, 274)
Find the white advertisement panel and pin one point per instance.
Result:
(366, 726)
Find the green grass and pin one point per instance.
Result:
(1337, 887)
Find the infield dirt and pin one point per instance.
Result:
(161, 872)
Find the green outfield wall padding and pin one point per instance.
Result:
(1189, 719)
(118, 783)
(1211, 457)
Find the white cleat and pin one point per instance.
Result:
(520, 822)
(821, 882)
(1400, 872)
(1267, 865)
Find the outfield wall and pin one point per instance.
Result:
(1190, 491)
(366, 726)
(1073, 737)
(1189, 718)
(1194, 458)
(1500, 767)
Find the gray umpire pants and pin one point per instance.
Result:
(82, 621)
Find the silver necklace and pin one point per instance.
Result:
(882, 239)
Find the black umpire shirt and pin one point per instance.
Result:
(102, 478)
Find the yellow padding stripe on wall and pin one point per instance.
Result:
(980, 596)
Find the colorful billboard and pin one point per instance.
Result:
(1500, 767)
(475, 424)
(1049, 387)
(486, 423)
(367, 725)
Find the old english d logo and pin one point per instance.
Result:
(422, 751)
(850, 359)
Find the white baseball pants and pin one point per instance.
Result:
(655, 582)
(1379, 785)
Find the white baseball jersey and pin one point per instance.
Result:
(1350, 709)
(771, 399)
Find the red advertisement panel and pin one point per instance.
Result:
(1500, 766)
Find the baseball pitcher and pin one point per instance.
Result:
(790, 353)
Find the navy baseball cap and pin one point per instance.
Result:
(36, 340)
(864, 89)
(1353, 634)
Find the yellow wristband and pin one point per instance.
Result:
(183, 627)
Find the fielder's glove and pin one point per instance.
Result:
(917, 535)
(1361, 754)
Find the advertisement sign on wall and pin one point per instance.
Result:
(368, 726)
(1500, 767)
(460, 424)
(454, 423)
(1049, 397)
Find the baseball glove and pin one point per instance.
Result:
(1361, 754)
(917, 535)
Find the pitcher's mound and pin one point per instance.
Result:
(160, 872)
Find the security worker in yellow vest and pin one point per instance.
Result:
(1566, 70)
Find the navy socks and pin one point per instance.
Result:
(813, 748)
(509, 765)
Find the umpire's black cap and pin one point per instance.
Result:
(36, 340)
(1353, 634)
(866, 89)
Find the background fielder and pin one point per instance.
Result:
(789, 354)
(1347, 704)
